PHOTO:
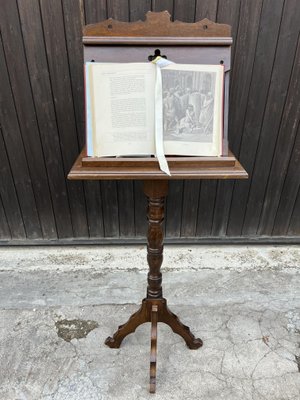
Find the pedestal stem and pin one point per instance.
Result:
(156, 192)
(154, 308)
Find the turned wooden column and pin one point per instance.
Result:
(156, 192)
(154, 307)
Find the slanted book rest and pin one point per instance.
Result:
(126, 104)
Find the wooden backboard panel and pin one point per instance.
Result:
(179, 54)
(203, 42)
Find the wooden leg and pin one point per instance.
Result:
(178, 327)
(130, 326)
(153, 352)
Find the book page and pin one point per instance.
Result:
(121, 116)
(193, 109)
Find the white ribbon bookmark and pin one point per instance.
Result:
(159, 142)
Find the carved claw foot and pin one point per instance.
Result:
(178, 327)
(130, 326)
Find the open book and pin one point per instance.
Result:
(132, 108)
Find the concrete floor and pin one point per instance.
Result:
(59, 304)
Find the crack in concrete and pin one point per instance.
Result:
(297, 358)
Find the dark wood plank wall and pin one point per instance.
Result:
(42, 127)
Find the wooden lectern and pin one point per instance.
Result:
(203, 42)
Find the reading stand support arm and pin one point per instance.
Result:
(154, 307)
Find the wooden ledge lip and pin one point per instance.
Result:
(147, 168)
(147, 162)
(233, 173)
(179, 170)
(157, 40)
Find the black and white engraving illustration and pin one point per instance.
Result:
(188, 105)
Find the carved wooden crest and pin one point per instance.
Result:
(157, 24)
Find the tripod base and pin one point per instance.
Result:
(153, 310)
